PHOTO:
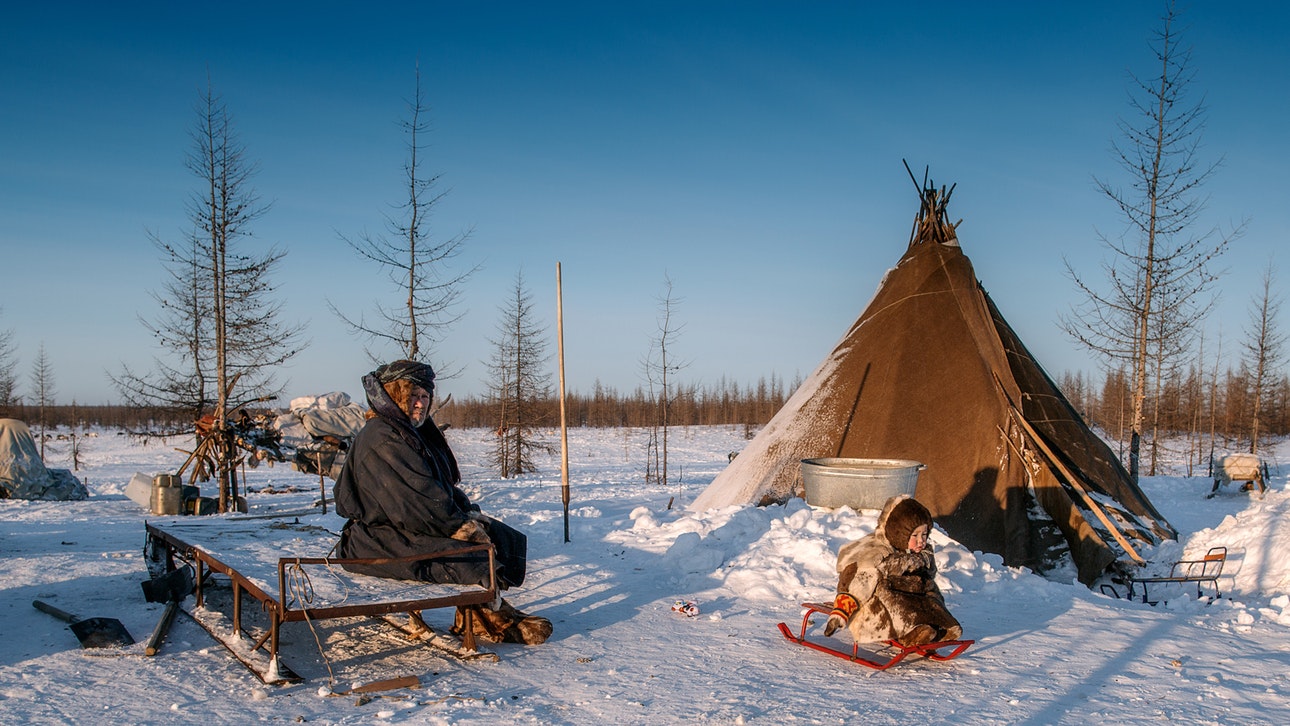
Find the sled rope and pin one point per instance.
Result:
(302, 593)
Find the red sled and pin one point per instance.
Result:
(865, 658)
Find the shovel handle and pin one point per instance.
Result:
(45, 607)
(163, 626)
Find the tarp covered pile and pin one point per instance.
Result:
(23, 474)
(320, 429)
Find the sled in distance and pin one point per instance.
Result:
(865, 658)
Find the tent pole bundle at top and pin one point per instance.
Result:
(931, 371)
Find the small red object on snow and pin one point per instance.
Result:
(688, 608)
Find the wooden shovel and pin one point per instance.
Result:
(92, 632)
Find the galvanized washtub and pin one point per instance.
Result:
(858, 483)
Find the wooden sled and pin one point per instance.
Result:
(269, 668)
(284, 568)
(867, 658)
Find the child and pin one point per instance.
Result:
(887, 582)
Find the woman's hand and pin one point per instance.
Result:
(472, 531)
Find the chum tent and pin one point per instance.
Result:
(932, 372)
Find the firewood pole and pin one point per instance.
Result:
(564, 424)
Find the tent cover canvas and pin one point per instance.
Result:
(932, 372)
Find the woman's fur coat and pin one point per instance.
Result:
(895, 590)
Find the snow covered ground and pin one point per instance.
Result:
(1046, 652)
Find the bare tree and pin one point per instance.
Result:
(1213, 404)
(249, 339)
(8, 368)
(519, 386)
(76, 423)
(43, 391)
(1263, 350)
(217, 320)
(1159, 277)
(417, 265)
(660, 366)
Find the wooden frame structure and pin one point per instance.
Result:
(275, 583)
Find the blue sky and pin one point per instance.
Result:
(751, 152)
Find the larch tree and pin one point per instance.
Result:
(1160, 274)
(519, 385)
(249, 339)
(224, 333)
(660, 367)
(1263, 351)
(416, 263)
(8, 368)
(42, 391)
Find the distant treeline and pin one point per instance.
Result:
(723, 403)
(605, 407)
(125, 418)
(1188, 403)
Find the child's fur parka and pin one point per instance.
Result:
(894, 588)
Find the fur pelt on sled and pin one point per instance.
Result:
(504, 625)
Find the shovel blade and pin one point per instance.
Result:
(174, 585)
(101, 633)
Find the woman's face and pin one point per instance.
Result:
(418, 406)
(918, 538)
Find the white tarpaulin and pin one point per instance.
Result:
(22, 473)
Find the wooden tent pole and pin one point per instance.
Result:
(1070, 475)
(1079, 487)
(564, 427)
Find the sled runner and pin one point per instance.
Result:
(864, 657)
(445, 643)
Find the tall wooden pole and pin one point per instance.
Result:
(564, 427)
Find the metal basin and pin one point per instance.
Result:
(858, 483)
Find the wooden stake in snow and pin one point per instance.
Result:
(564, 428)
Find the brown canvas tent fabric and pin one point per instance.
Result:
(932, 372)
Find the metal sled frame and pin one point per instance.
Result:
(197, 544)
(865, 658)
(1203, 572)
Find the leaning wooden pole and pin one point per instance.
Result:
(1079, 487)
(564, 426)
(1071, 476)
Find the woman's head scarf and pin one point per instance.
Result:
(406, 370)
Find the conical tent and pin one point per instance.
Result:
(932, 372)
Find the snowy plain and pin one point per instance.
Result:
(1047, 651)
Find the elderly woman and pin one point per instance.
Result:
(398, 489)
